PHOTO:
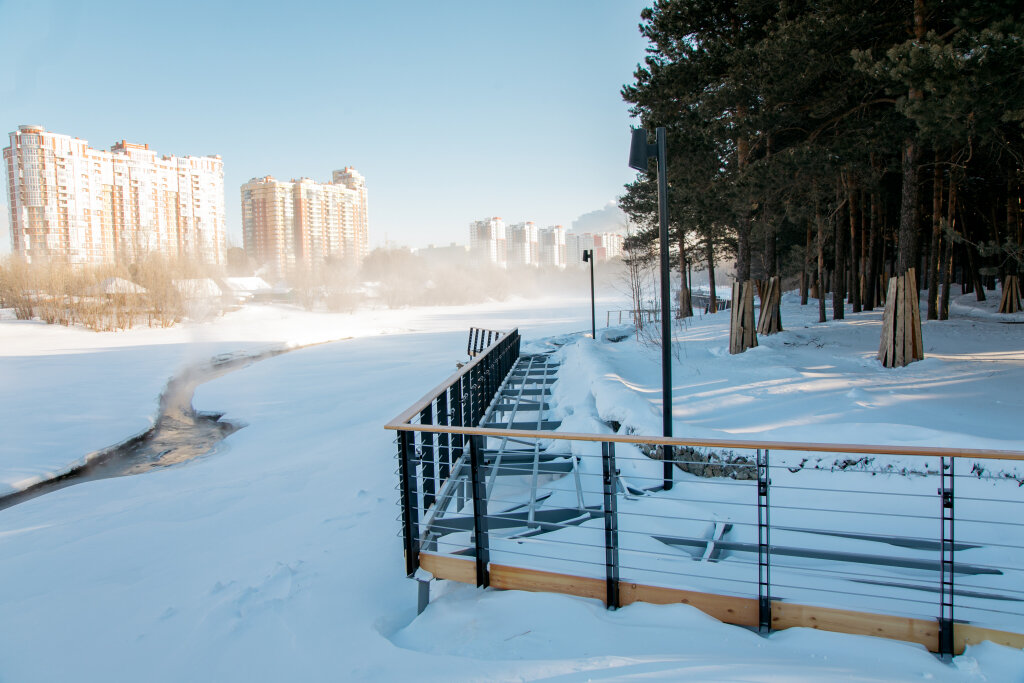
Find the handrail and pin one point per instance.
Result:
(403, 423)
(418, 406)
(933, 451)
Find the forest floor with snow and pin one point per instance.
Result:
(275, 557)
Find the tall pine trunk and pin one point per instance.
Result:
(947, 261)
(805, 274)
(709, 253)
(907, 239)
(871, 269)
(934, 249)
(821, 260)
(839, 228)
(855, 251)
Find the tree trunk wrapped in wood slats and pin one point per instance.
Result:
(901, 342)
(1010, 302)
(742, 335)
(770, 319)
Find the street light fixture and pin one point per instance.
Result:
(640, 152)
(588, 255)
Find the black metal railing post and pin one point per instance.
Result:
(611, 525)
(764, 583)
(480, 537)
(946, 588)
(427, 457)
(410, 513)
(444, 451)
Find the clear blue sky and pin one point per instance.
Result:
(452, 110)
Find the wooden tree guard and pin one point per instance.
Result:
(901, 342)
(1010, 302)
(770, 319)
(741, 318)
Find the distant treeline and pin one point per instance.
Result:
(838, 142)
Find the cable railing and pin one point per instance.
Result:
(494, 493)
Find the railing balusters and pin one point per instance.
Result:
(427, 457)
(410, 513)
(444, 452)
(480, 537)
(611, 524)
(946, 589)
(764, 584)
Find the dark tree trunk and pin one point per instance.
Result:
(709, 253)
(821, 261)
(685, 296)
(907, 240)
(805, 274)
(770, 237)
(972, 264)
(855, 242)
(947, 261)
(840, 229)
(871, 267)
(743, 249)
(935, 248)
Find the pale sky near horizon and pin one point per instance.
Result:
(453, 111)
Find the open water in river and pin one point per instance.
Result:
(180, 433)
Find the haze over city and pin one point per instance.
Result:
(452, 112)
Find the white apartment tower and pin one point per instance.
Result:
(551, 243)
(487, 240)
(302, 224)
(521, 244)
(73, 202)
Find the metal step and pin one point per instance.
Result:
(542, 425)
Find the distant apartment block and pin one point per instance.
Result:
(302, 224)
(606, 245)
(522, 244)
(487, 240)
(84, 205)
(551, 245)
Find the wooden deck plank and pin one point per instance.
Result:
(726, 608)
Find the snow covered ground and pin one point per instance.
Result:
(276, 557)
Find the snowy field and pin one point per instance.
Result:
(276, 557)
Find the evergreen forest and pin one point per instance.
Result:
(837, 143)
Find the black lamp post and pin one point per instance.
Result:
(640, 151)
(588, 255)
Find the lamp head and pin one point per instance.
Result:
(587, 255)
(640, 151)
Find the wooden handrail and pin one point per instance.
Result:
(418, 407)
(927, 451)
(403, 422)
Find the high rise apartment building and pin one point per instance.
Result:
(522, 244)
(302, 224)
(84, 205)
(487, 240)
(606, 245)
(551, 246)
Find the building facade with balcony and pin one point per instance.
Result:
(305, 225)
(83, 205)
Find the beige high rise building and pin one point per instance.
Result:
(303, 224)
(73, 202)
